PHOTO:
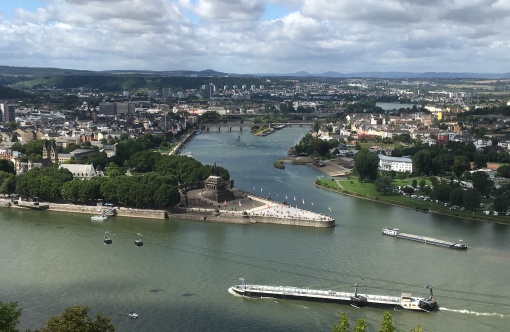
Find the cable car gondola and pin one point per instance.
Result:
(107, 240)
(139, 242)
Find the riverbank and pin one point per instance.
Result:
(330, 167)
(412, 203)
(249, 210)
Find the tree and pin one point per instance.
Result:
(456, 196)
(442, 192)
(9, 316)
(501, 203)
(387, 323)
(343, 325)
(504, 171)
(76, 319)
(480, 161)
(414, 183)
(472, 198)
(71, 191)
(383, 184)
(460, 164)
(360, 325)
(422, 162)
(7, 183)
(113, 170)
(166, 196)
(442, 163)
(366, 164)
(316, 126)
(482, 183)
(7, 166)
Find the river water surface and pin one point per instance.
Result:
(178, 280)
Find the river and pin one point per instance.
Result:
(178, 280)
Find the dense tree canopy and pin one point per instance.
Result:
(501, 203)
(9, 316)
(472, 198)
(383, 184)
(361, 326)
(45, 183)
(460, 164)
(311, 145)
(366, 164)
(422, 162)
(7, 166)
(77, 319)
(482, 183)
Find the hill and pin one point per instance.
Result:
(10, 93)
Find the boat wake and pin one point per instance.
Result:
(476, 313)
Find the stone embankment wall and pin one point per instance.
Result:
(195, 214)
(121, 212)
(202, 214)
(293, 222)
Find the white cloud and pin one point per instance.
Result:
(230, 35)
(227, 10)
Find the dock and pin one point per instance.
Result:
(104, 216)
(395, 232)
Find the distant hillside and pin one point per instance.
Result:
(132, 82)
(37, 72)
(390, 75)
(9, 93)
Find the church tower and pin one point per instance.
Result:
(50, 151)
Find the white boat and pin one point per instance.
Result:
(99, 218)
(133, 315)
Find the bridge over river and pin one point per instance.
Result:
(250, 126)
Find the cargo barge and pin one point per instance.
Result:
(405, 301)
(395, 232)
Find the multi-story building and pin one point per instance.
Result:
(7, 112)
(397, 164)
(107, 108)
(125, 108)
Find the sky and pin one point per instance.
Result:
(258, 36)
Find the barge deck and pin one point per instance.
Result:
(406, 301)
(395, 232)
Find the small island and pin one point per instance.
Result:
(279, 164)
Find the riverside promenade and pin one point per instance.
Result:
(248, 209)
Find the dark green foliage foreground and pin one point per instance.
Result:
(153, 184)
(361, 326)
(9, 316)
(73, 319)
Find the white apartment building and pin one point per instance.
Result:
(397, 164)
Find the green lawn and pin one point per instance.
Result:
(352, 187)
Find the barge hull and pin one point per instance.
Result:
(424, 239)
(318, 299)
(356, 300)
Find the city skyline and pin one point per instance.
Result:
(257, 36)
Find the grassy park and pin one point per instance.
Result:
(366, 190)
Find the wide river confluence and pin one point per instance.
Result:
(178, 280)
